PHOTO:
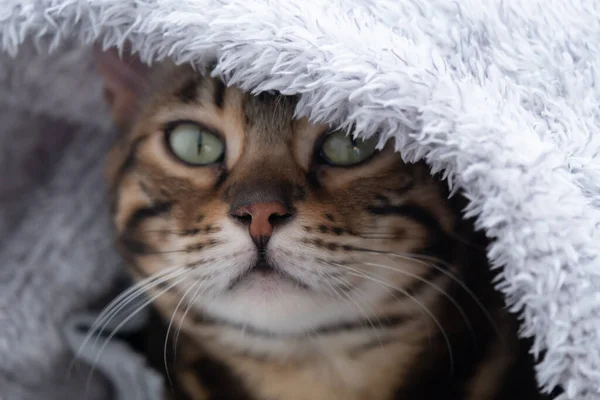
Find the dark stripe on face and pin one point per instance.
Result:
(219, 94)
(128, 238)
(124, 168)
(135, 246)
(189, 92)
(440, 245)
(376, 343)
(410, 211)
(417, 285)
(141, 214)
(129, 162)
(219, 380)
(389, 321)
(381, 322)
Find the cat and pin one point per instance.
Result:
(291, 261)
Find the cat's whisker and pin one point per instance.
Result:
(119, 302)
(444, 271)
(437, 288)
(196, 294)
(431, 315)
(133, 296)
(134, 290)
(393, 293)
(345, 268)
(126, 320)
(349, 297)
(422, 260)
(451, 234)
(166, 364)
(127, 302)
(364, 274)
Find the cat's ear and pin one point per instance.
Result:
(125, 79)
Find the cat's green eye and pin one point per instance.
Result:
(194, 145)
(340, 149)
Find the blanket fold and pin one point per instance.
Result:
(502, 97)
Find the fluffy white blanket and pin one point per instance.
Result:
(501, 95)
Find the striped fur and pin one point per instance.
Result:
(383, 291)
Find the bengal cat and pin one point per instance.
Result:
(300, 263)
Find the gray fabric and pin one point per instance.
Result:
(56, 242)
(47, 275)
(57, 258)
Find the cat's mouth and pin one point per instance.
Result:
(263, 270)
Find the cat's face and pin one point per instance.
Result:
(265, 221)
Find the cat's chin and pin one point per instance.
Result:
(273, 304)
(265, 288)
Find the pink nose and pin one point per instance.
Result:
(261, 218)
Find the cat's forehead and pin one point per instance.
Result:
(266, 118)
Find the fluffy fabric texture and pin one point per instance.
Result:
(56, 250)
(502, 96)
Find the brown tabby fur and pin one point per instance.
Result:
(433, 328)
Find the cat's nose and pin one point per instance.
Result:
(262, 218)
